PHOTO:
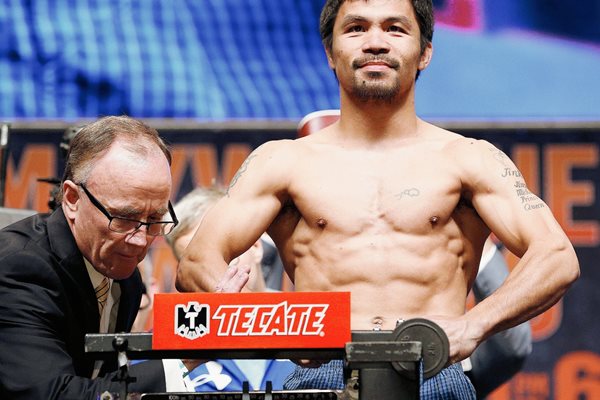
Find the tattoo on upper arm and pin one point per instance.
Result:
(499, 156)
(529, 200)
(239, 172)
(412, 192)
(508, 172)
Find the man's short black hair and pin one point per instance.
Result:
(423, 11)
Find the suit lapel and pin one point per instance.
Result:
(71, 261)
(72, 267)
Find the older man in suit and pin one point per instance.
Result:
(74, 271)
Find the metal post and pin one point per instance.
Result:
(372, 354)
(4, 132)
(121, 345)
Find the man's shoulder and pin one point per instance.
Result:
(472, 157)
(281, 151)
(285, 145)
(467, 155)
(23, 233)
(25, 253)
(439, 136)
(463, 146)
(30, 242)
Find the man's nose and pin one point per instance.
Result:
(139, 237)
(376, 42)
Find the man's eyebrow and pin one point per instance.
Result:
(353, 18)
(402, 19)
(162, 213)
(130, 212)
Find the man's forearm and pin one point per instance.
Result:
(210, 274)
(197, 276)
(536, 283)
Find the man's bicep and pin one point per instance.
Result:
(515, 214)
(235, 223)
(254, 197)
(237, 220)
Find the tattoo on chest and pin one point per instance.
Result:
(412, 192)
(239, 172)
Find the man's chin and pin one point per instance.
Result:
(123, 268)
(376, 96)
(376, 91)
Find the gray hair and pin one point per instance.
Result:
(93, 141)
(190, 210)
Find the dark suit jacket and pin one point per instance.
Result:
(47, 305)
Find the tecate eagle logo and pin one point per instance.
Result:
(192, 321)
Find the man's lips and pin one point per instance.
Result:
(375, 63)
(375, 66)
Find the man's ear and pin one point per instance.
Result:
(330, 59)
(331, 63)
(426, 57)
(70, 199)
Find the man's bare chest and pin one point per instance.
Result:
(394, 193)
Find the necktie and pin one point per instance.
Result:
(102, 293)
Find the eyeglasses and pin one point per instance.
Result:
(126, 225)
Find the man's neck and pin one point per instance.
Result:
(378, 121)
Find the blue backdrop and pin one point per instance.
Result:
(224, 59)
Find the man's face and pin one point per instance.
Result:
(376, 48)
(126, 185)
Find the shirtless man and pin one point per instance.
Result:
(385, 205)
